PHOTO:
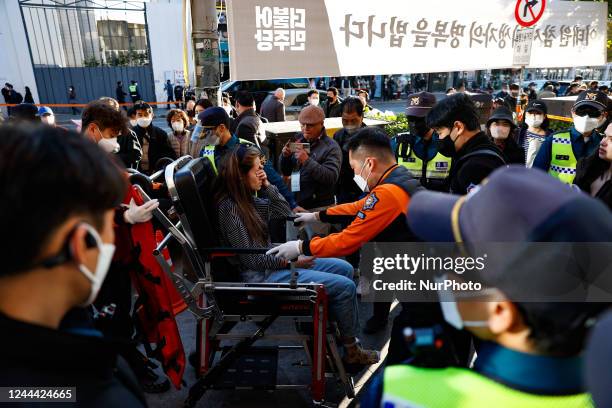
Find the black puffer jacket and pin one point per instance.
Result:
(469, 168)
(590, 169)
(246, 126)
(36, 356)
(159, 145)
(130, 150)
(346, 189)
(511, 151)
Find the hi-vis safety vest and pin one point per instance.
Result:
(437, 168)
(563, 162)
(209, 152)
(407, 386)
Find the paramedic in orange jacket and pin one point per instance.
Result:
(378, 217)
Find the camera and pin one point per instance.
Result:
(430, 347)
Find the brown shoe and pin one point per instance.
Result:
(357, 355)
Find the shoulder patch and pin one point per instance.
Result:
(361, 215)
(370, 202)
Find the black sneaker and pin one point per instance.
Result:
(374, 325)
(152, 383)
(149, 380)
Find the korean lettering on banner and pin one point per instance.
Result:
(397, 29)
(280, 27)
(452, 34)
(579, 36)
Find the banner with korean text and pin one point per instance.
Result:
(311, 38)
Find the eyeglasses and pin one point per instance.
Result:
(589, 112)
(308, 125)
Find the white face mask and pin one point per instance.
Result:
(49, 119)
(351, 129)
(108, 145)
(451, 312)
(143, 122)
(584, 124)
(103, 264)
(535, 121)
(178, 127)
(453, 317)
(361, 182)
(210, 138)
(499, 132)
(314, 101)
(133, 122)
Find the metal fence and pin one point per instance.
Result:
(88, 44)
(90, 83)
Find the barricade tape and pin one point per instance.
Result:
(82, 105)
(562, 118)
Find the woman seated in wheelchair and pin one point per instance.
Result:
(246, 203)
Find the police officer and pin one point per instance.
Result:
(529, 353)
(417, 150)
(561, 151)
(134, 91)
(456, 121)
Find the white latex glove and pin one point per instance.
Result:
(307, 217)
(289, 250)
(136, 214)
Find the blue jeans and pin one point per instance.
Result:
(337, 276)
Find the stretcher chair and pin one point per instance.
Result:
(212, 292)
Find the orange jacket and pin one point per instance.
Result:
(378, 217)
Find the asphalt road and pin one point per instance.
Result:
(289, 372)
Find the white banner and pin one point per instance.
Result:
(298, 38)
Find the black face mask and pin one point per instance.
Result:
(446, 146)
(418, 128)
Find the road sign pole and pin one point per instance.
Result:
(522, 43)
(518, 98)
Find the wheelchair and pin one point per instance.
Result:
(202, 273)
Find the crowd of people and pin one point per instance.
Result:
(356, 186)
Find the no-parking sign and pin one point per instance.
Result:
(529, 12)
